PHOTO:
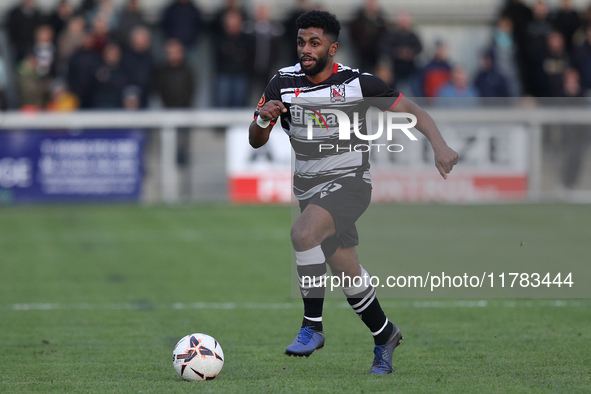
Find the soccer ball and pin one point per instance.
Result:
(198, 357)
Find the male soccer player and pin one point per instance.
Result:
(333, 187)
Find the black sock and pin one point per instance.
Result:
(365, 303)
(312, 287)
(369, 310)
(313, 313)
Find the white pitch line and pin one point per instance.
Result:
(142, 305)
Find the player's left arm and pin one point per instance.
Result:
(445, 157)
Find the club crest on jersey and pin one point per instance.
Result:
(337, 93)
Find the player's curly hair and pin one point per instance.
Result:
(322, 20)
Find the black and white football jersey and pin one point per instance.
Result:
(346, 89)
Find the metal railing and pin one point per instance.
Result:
(166, 124)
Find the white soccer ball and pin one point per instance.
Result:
(198, 357)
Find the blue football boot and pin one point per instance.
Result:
(306, 342)
(382, 362)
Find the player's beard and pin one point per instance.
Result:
(318, 66)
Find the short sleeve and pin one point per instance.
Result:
(372, 86)
(271, 92)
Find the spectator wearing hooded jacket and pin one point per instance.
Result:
(489, 81)
(182, 20)
(138, 63)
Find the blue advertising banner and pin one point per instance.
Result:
(91, 165)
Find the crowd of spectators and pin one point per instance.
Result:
(99, 57)
(533, 51)
(96, 56)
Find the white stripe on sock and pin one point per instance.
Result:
(381, 329)
(367, 296)
(373, 297)
(352, 291)
(314, 319)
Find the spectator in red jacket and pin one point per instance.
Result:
(437, 72)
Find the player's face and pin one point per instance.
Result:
(314, 50)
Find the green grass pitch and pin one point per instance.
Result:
(93, 299)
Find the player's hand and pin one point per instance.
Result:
(445, 159)
(272, 110)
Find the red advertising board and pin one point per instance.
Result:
(493, 167)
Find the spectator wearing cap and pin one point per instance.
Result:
(489, 81)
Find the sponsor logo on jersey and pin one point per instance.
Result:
(301, 115)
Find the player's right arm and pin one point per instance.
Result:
(267, 112)
(260, 128)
